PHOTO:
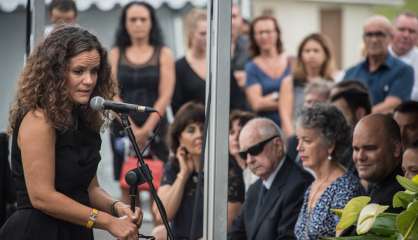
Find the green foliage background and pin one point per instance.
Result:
(392, 11)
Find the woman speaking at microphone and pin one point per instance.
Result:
(56, 143)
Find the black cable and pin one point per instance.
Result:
(145, 173)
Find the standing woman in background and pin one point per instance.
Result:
(143, 69)
(191, 69)
(314, 62)
(266, 71)
(56, 144)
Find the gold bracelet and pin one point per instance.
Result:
(92, 218)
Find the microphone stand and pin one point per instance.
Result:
(140, 175)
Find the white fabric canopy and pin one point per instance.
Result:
(105, 5)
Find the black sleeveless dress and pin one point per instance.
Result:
(76, 159)
(138, 84)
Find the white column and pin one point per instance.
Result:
(218, 81)
(38, 22)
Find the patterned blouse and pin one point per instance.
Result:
(321, 221)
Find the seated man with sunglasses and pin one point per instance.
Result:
(273, 202)
(388, 79)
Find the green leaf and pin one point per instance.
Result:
(385, 225)
(407, 184)
(407, 223)
(351, 212)
(402, 199)
(368, 216)
(338, 212)
(413, 207)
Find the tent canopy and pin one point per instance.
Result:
(105, 5)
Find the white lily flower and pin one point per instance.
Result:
(367, 217)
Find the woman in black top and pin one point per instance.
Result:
(56, 144)
(180, 180)
(144, 71)
(191, 69)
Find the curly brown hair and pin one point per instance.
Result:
(42, 84)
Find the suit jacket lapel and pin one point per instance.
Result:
(272, 194)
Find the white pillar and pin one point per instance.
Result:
(38, 22)
(218, 81)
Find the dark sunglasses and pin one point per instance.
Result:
(377, 34)
(256, 149)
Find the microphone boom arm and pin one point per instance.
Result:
(145, 174)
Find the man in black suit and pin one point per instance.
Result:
(377, 153)
(273, 202)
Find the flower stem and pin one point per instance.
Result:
(410, 229)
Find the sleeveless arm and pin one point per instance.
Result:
(36, 140)
(170, 192)
(114, 55)
(166, 87)
(286, 106)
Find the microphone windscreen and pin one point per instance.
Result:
(97, 103)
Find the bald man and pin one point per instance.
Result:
(273, 202)
(377, 153)
(388, 79)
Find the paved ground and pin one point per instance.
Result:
(105, 176)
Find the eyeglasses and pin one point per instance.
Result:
(377, 34)
(257, 148)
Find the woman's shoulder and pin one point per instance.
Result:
(348, 186)
(166, 54)
(37, 117)
(34, 125)
(250, 65)
(114, 55)
(166, 51)
(288, 81)
(181, 61)
(172, 166)
(114, 52)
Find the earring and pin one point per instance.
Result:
(329, 157)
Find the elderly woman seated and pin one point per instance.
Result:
(324, 136)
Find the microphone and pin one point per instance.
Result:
(98, 103)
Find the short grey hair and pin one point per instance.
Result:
(379, 19)
(321, 87)
(330, 123)
(267, 128)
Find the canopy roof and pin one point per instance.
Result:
(105, 5)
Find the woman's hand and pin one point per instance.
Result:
(141, 136)
(123, 228)
(273, 96)
(185, 161)
(122, 209)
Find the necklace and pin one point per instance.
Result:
(313, 194)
